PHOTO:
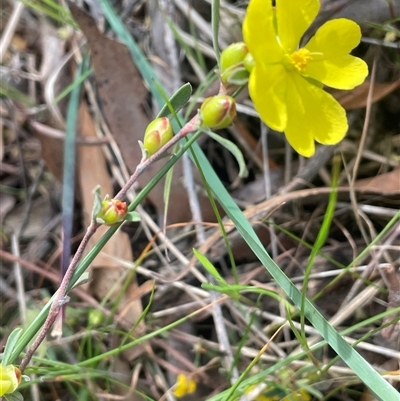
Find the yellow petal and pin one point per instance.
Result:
(335, 38)
(312, 115)
(331, 64)
(184, 385)
(342, 72)
(267, 89)
(8, 379)
(5, 385)
(259, 33)
(293, 18)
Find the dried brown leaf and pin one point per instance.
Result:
(387, 183)
(357, 98)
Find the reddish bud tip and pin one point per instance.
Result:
(218, 111)
(157, 134)
(112, 211)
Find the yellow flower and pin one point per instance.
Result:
(10, 377)
(286, 82)
(184, 385)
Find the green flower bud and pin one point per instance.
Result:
(249, 62)
(218, 111)
(233, 55)
(231, 63)
(157, 134)
(96, 316)
(112, 211)
(10, 378)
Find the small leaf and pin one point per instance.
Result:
(97, 202)
(177, 101)
(10, 345)
(132, 216)
(239, 77)
(143, 150)
(226, 143)
(209, 267)
(15, 396)
(83, 279)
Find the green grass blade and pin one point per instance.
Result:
(68, 191)
(209, 267)
(349, 355)
(215, 27)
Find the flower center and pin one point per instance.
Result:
(298, 60)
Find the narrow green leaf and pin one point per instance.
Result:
(226, 143)
(167, 191)
(71, 86)
(215, 27)
(68, 183)
(10, 345)
(52, 10)
(9, 91)
(209, 267)
(177, 101)
(349, 355)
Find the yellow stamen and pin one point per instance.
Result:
(300, 58)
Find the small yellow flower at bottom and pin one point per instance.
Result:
(184, 385)
(10, 378)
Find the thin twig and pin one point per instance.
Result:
(59, 298)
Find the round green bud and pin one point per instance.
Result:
(96, 316)
(157, 134)
(233, 55)
(231, 64)
(112, 211)
(217, 111)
